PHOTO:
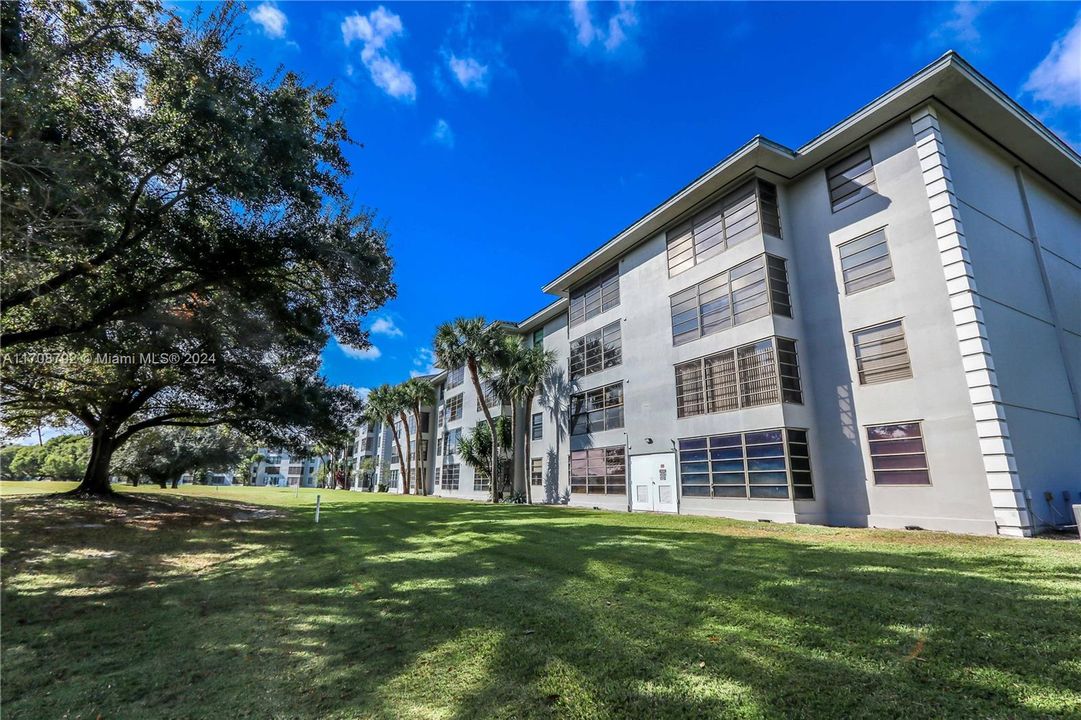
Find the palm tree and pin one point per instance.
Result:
(528, 370)
(475, 448)
(419, 392)
(505, 386)
(402, 405)
(478, 346)
(384, 403)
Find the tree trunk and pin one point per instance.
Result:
(95, 482)
(513, 427)
(472, 365)
(528, 461)
(403, 462)
(176, 482)
(422, 482)
(135, 482)
(394, 434)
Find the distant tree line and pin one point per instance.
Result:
(60, 458)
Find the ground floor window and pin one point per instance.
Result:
(599, 471)
(481, 482)
(392, 479)
(767, 464)
(536, 471)
(898, 456)
(450, 476)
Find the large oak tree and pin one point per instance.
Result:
(161, 199)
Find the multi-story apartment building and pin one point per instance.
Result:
(880, 328)
(279, 468)
(371, 453)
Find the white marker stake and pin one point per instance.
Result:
(317, 508)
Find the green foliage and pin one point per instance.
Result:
(472, 342)
(7, 454)
(174, 230)
(61, 458)
(26, 462)
(162, 455)
(475, 450)
(144, 165)
(66, 457)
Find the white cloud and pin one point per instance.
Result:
(423, 363)
(375, 31)
(369, 353)
(442, 133)
(271, 19)
(611, 37)
(385, 326)
(363, 392)
(583, 23)
(960, 26)
(1057, 79)
(469, 72)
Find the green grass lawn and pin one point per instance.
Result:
(236, 605)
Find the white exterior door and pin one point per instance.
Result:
(653, 482)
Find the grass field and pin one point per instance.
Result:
(233, 603)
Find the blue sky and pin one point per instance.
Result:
(502, 142)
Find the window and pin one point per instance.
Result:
(456, 377)
(536, 471)
(599, 350)
(493, 402)
(881, 353)
(851, 180)
(537, 426)
(738, 216)
(597, 296)
(538, 337)
(392, 478)
(746, 292)
(481, 481)
(454, 408)
(897, 454)
(451, 444)
(599, 471)
(747, 465)
(450, 476)
(597, 410)
(865, 262)
(761, 373)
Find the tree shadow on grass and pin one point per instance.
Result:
(438, 609)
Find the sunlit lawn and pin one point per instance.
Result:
(407, 608)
